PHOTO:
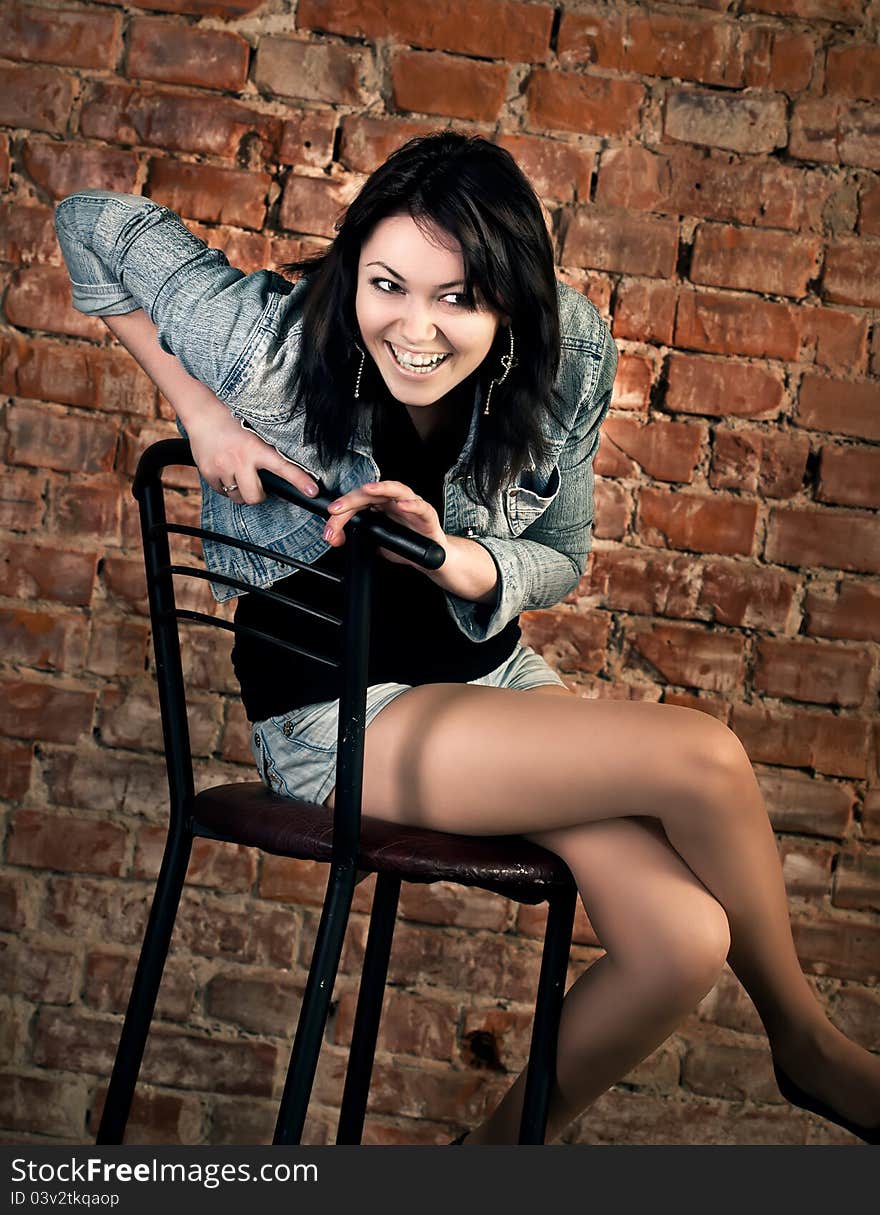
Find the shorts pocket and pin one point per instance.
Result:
(266, 765)
(315, 727)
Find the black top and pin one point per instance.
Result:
(414, 639)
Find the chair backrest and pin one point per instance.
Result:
(364, 533)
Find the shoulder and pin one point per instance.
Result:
(588, 354)
(580, 324)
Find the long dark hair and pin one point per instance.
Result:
(474, 190)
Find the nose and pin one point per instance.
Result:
(419, 328)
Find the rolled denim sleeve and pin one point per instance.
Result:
(125, 252)
(544, 564)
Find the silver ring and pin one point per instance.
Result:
(228, 489)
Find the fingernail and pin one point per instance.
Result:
(335, 506)
(328, 532)
(311, 489)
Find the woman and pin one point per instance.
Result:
(428, 365)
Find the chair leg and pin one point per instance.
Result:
(369, 1010)
(548, 1009)
(315, 1006)
(145, 988)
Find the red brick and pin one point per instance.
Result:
(38, 571)
(44, 640)
(801, 738)
(850, 610)
(857, 880)
(722, 387)
(692, 521)
(770, 464)
(38, 98)
(748, 596)
(219, 196)
(125, 583)
(633, 382)
(415, 1024)
(753, 191)
(691, 47)
(836, 539)
(12, 889)
(739, 123)
(21, 500)
(557, 170)
(131, 719)
(225, 867)
(432, 83)
(589, 105)
(491, 29)
(159, 1118)
(692, 657)
(44, 438)
(178, 122)
(614, 240)
(307, 138)
(852, 273)
(229, 9)
(643, 581)
(781, 59)
(313, 204)
(849, 12)
(824, 128)
(849, 476)
(44, 1105)
(80, 375)
(732, 1071)
(45, 711)
(803, 804)
(40, 972)
(117, 647)
(258, 1004)
(774, 263)
(807, 670)
(848, 949)
(366, 142)
(314, 71)
(725, 324)
(72, 37)
(87, 508)
(101, 781)
(842, 407)
(645, 311)
(109, 977)
(15, 769)
(853, 71)
(869, 212)
(181, 54)
(836, 340)
(667, 451)
(27, 234)
(39, 298)
(62, 168)
(4, 162)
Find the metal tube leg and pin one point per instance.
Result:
(548, 1009)
(315, 1006)
(369, 1009)
(145, 988)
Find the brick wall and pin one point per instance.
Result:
(711, 171)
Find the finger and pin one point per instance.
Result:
(249, 486)
(393, 489)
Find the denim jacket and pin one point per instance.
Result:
(240, 335)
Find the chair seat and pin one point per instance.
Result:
(505, 864)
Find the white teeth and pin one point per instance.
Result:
(421, 362)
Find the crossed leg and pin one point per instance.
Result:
(576, 777)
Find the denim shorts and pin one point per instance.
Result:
(295, 753)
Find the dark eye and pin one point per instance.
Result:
(374, 282)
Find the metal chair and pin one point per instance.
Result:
(350, 844)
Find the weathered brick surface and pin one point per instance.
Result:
(708, 175)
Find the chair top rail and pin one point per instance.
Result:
(247, 631)
(201, 533)
(192, 571)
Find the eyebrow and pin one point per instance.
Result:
(441, 286)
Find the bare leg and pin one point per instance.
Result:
(581, 761)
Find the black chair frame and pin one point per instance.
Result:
(213, 814)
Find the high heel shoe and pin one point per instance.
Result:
(459, 1139)
(797, 1096)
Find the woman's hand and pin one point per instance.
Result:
(398, 502)
(228, 456)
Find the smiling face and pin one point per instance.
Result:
(411, 305)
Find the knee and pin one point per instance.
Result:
(717, 763)
(686, 958)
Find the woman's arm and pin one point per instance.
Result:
(224, 452)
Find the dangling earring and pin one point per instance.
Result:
(357, 386)
(507, 362)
